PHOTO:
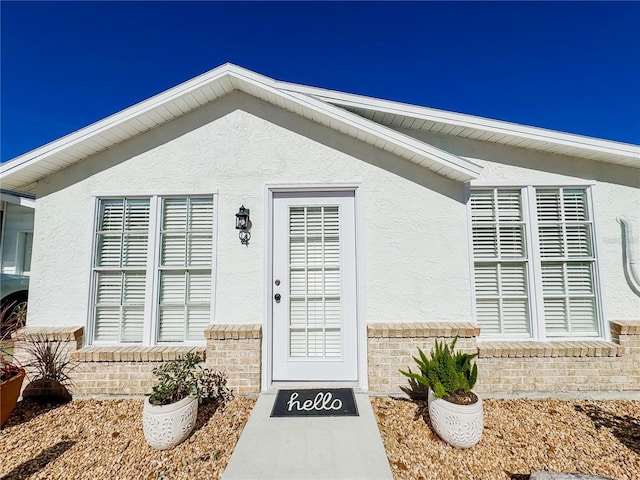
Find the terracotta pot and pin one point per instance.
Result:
(9, 393)
(458, 425)
(165, 426)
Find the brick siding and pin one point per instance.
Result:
(504, 367)
(511, 367)
(234, 349)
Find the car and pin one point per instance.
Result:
(14, 294)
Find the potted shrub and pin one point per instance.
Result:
(454, 410)
(11, 374)
(170, 410)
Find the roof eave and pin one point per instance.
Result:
(251, 83)
(622, 153)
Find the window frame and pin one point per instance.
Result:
(152, 269)
(534, 259)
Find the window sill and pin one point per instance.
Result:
(528, 349)
(135, 353)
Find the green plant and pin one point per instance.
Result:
(185, 376)
(447, 372)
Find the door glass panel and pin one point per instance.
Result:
(314, 282)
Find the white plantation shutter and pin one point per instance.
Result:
(563, 254)
(199, 250)
(185, 262)
(171, 323)
(183, 265)
(120, 306)
(174, 249)
(501, 262)
(567, 262)
(123, 233)
(314, 283)
(111, 215)
(134, 250)
(184, 305)
(108, 301)
(109, 250)
(174, 214)
(137, 214)
(120, 269)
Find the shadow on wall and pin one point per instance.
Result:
(531, 160)
(625, 428)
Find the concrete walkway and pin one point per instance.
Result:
(319, 448)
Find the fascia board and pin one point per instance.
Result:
(470, 121)
(239, 77)
(128, 113)
(17, 200)
(469, 169)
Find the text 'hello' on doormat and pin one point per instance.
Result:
(323, 402)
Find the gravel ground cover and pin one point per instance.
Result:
(520, 437)
(103, 439)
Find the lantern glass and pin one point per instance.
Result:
(242, 218)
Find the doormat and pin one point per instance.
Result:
(322, 402)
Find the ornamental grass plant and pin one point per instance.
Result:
(8, 367)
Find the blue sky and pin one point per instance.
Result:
(571, 66)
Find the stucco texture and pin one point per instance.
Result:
(615, 191)
(413, 236)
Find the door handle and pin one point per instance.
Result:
(277, 297)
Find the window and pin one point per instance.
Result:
(23, 252)
(534, 262)
(152, 269)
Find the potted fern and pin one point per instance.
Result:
(170, 410)
(455, 411)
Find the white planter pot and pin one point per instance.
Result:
(165, 426)
(458, 425)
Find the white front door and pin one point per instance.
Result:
(314, 287)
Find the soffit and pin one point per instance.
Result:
(24, 171)
(399, 115)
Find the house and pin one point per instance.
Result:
(298, 235)
(16, 232)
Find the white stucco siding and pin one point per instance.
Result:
(59, 284)
(615, 191)
(415, 258)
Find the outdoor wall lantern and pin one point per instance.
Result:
(243, 223)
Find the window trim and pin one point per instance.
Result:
(534, 277)
(151, 307)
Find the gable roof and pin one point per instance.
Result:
(22, 172)
(370, 120)
(402, 115)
